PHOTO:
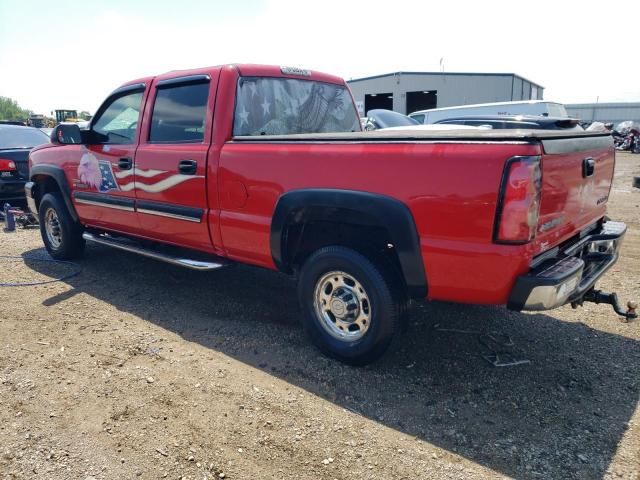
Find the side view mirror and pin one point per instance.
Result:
(66, 134)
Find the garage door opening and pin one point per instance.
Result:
(422, 100)
(378, 100)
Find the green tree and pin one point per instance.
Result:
(10, 110)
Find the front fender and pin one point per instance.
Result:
(57, 174)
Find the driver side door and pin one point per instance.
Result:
(104, 194)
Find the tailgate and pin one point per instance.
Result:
(576, 179)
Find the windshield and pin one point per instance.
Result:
(16, 137)
(281, 106)
(557, 110)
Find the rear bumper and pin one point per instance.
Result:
(572, 272)
(11, 190)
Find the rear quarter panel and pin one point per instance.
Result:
(450, 188)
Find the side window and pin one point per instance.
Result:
(117, 119)
(178, 113)
(418, 118)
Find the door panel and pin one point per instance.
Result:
(99, 179)
(171, 204)
(171, 161)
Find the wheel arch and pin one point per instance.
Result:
(349, 209)
(50, 178)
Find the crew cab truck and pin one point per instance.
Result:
(267, 166)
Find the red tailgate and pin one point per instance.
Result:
(576, 176)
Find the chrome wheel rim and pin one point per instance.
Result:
(342, 306)
(52, 228)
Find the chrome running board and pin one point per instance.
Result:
(163, 257)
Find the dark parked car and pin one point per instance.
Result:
(533, 122)
(380, 118)
(15, 144)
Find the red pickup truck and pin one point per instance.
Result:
(268, 166)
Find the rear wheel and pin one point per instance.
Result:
(62, 236)
(349, 309)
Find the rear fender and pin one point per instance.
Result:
(357, 209)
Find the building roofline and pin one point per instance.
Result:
(488, 74)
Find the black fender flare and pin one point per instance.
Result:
(59, 177)
(362, 208)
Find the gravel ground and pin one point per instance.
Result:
(136, 369)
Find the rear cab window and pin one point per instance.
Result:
(282, 106)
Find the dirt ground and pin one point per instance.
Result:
(136, 369)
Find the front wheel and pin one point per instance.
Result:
(349, 309)
(61, 235)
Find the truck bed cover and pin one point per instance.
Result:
(429, 135)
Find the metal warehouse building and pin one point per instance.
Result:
(406, 92)
(605, 112)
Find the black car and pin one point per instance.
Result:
(533, 122)
(381, 118)
(15, 144)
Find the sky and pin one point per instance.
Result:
(71, 54)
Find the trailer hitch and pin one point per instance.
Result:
(598, 296)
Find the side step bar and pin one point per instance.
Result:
(163, 257)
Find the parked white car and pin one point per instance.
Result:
(530, 107)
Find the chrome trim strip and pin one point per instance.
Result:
(182, 262)
(169, 215)
(106, 205)
(242, 141)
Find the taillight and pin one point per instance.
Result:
(7, 165)
(519, 201)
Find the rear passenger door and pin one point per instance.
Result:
(171, 161)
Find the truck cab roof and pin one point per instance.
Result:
(246, 70)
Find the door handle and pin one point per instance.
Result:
(125, 163)
(187, 167)
(588, 167)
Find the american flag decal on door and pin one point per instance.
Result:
(152, 181)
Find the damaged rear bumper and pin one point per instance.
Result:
(571, 272)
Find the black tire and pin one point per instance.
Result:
(384, 310)
(68, 243)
